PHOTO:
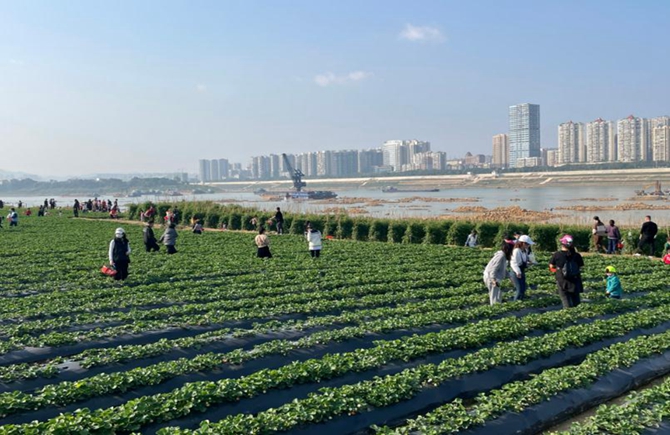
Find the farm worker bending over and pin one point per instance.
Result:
(169, 238)
(314, 241)
(149, 237)
(519, 263)
(614, 289)
(567, 263)
(496, 271)
(471, 241)
(263, 244)
(666, 257)
(119, 254)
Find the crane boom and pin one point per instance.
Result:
(296, 174)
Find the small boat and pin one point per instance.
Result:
(391, 189)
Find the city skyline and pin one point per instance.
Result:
(120, 88)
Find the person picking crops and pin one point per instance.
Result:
(519, 262)
(263, 244)
(567, 264)
(149, 237)
(614, 289)
(119, 254)
(169, 238)
(496, 271)
(313, 237)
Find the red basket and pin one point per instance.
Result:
(108, 270)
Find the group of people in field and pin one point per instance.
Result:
(119, 246)
(262, 241)
(96, 205)
(566, 264)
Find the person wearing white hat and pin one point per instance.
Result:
(519, 263)
(119, 254)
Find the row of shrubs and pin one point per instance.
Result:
(429, 231)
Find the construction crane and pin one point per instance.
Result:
(296, 174)
(658, 191)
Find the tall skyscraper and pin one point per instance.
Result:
(661, 145)
(600, 141)
(224, 169)
(659, 139)
(214, 170)
(369, 159)
(204, 167)
(500, 151)
(571, 147)
(630, 142)
(524, 132)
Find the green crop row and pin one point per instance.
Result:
(380, 392)
(329, 366)
(517, 396)
(641, 411)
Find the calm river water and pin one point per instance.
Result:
(535, 198)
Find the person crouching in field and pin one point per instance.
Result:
(149, 238)
(314, 241)
(613, 289)
(263, 244)
(119, 254)
(496, 272)
(169, 238)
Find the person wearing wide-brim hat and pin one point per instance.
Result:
(119, 254)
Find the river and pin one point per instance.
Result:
(378, 204)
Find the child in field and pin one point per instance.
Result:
(614, 289)
(666, 257)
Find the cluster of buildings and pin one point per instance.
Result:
(629, 140)
(392, 156)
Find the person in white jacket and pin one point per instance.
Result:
(519, 262)
(496, 271)
(471, 241)
(313, 237)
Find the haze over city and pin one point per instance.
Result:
(155, 86)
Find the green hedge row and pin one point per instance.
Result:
(430, 231)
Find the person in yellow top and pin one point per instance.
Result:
(263, 243)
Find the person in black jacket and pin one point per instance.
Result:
(149, 238)
(567, 264)
(647, 235)
(279, 221)
(119, 254)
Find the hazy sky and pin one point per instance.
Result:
(102, 86)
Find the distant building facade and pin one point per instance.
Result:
(524, 132)
(500, 151)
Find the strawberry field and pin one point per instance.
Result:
(372, 337)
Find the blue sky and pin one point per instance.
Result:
(99, 86)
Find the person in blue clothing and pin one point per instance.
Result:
(614, 289)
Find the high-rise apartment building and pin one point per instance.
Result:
(370, 159)
(600, 141)
(400, 152)
(224, 168)
(524, 132)
(204, 167)
(661, 145)
(500, 151)
(214, 170)
(659, 136)
(571, 146)
(631, 141)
